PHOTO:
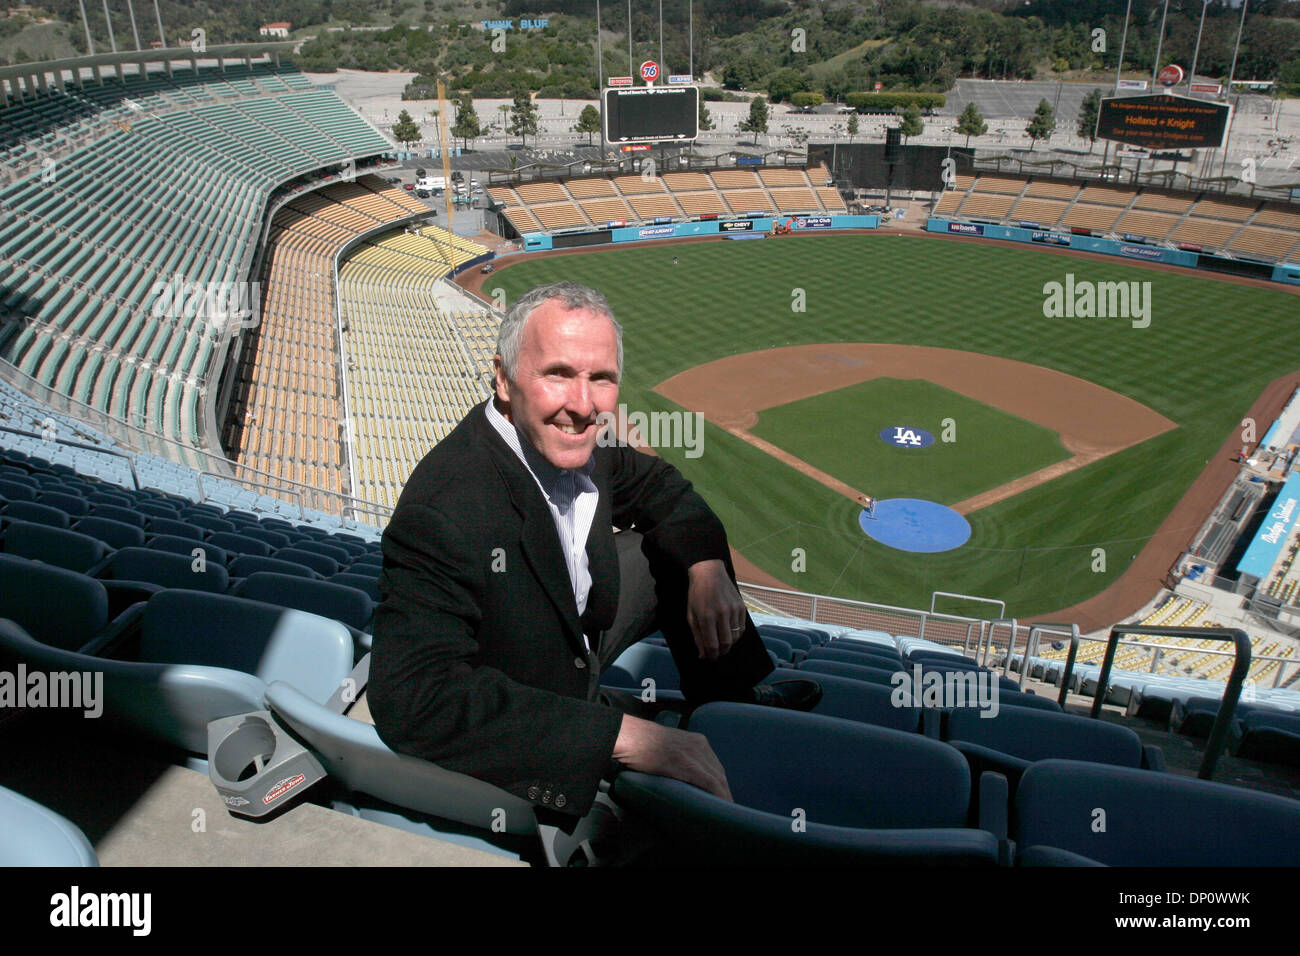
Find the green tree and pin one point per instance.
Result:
(835, 85)
(524, 119)
(1043, 123)
(757, 121)
(971, 122)
(911, 125)
(1088, 114)
(706, 121)
(405, 129)
(784, 83)
(588, 122)
(467, 124)
(853, 127)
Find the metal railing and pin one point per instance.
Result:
(1231, 693)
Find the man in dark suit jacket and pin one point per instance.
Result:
(502, 579)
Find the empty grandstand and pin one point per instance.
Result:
(191, 506)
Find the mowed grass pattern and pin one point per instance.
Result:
(1207, 354)
(975, 447)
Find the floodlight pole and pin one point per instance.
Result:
(1196, 52)
(600, 84)
(1232, 75)
(1155, 69)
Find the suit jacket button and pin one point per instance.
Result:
(579, 663)
(546, 797)
(560, 800)
(533, 792)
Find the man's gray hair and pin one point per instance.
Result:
(573, 295)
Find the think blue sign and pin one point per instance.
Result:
(905, 436)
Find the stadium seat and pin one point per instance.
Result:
(199, 657)
(860, 701)
(356, 759)
(175, 545)
(115, 534)
(181, 529)
(33, 835)
(239, 543)
(1268, 735)
(340, 555)
(56, 546)
(57, 607)
(11, 490)
(74, 506)
(362, 582)
(164, 569)
(1150, 819)
(641, 661)
(245, 564)
(275, 539)
(326, 598)
(859, 658)
(114, 513)
(317, 562)
(1013, 740)
(812, 790)
(874, 675)
(38, 513)
(207, 522)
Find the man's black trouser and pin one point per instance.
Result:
(652, 597)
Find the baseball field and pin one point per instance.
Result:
(1065, 442)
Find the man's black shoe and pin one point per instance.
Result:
(789, 694)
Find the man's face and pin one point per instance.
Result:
(567, 377)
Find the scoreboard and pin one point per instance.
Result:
(652, 114)
(1163, 121)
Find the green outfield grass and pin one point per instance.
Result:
(986, 447)
(1208, 352)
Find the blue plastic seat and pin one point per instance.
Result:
(245, 564)
(812, 790)
(1016, 738)
(181, 529)
(317, 562)
(57, 546)
(174, 545)
(362, 582)
(340, 555)
(201, 657)
(125, 515)
(239, 543)
(1150, 819)
(164, 569)
(73, 505)
(642, 661)
(328, 599)
(115, 534)
(37, 513)
(33, 835)
(873, 675)
(58, 607)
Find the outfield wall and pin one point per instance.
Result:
(723, 225)
(1282, 272)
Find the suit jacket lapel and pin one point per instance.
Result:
(539, 540)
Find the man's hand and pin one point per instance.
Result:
(666, 752)
(714, 609)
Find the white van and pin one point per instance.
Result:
(429, 185)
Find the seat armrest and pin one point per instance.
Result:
(1153, 758)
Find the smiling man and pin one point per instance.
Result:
(506, 592)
